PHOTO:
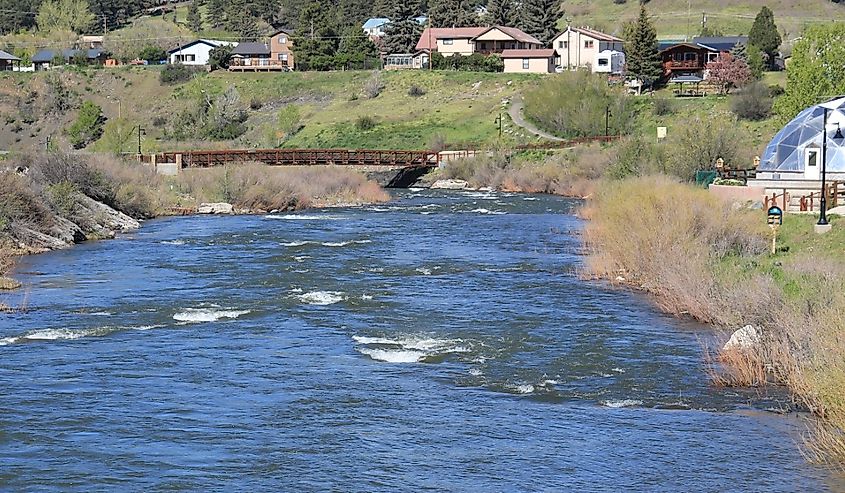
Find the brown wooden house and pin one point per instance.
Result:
(275, 54)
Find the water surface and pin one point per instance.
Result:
(441, 342)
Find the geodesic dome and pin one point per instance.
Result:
(787, 150)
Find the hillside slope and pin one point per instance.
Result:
(675, 18)
(328, 109)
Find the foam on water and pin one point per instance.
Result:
(475, 372)
(423, 271)
(394, 355)
(301, 217)
(197, 315)
(522, 388)
(322, 297)
(366, 297)
(482, 210)
(296, 243)
(345, 243)
(622, 403)
(173, 242)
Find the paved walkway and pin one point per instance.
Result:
(515, 111)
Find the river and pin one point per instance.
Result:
(440, 342)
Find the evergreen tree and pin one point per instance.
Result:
(216, 13)
(356, 49)
(316, 39)
(539, 18)
(740, 52)
(402, 34)
(239, 20)
(502, 13)
(756, 61)
(452, 13)
(764, 34)
(641, 55)
(194, 19)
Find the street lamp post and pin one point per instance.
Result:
(836, 137)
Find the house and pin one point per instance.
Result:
(375, 27)
(579, 47)
(537, 61)
(196, 52)
(9, 62)
(90, 42)
(465, 41)
(274, 54)
(690, 59)
(44, 58)
(399, 61)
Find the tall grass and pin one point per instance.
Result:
(569, 174)
(701, 257)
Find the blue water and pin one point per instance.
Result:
(441, 342)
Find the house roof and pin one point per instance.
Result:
(280, 31)
(592, 33)
(430, 35)
(720, 43)
(48, 55)
(8, 56)
(251, 49)
(515, 33)
(688, 45)
(210, 42)
(544, 53)
(376, 22)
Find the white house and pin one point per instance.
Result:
(196, 52)
(609, 62)
(578, 47)
(375, 26)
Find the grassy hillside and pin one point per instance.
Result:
(672, 17)
(457, 107)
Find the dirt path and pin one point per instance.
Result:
(515, 111)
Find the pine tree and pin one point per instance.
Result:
(316, 39)
(641, 55)
(194, 19)
(452, 13)
(239, 20)
(764, 34)
(502, 13)
(356, 48)
(216, 13)
(740, 52)
(402, 34)
(539, 19)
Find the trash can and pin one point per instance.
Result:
(703, 178)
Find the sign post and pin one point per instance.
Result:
(775, 219)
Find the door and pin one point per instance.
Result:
(812, 163)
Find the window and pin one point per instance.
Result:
(690, 57)
(186, 58)
(812, 158)
(712, 57)
(447, 41)
(561, 44)
(283, 39)
(602, 62)
(678, 56)
(483, 45)
(283, 57)
(525, 63)
(588, 43)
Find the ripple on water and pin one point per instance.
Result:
(198, 315)
(322, 298)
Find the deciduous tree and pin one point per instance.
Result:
(816, 71)
(729, 72)
(64, 15)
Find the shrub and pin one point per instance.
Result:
(19, 203)
(702, 140)
(152, 54)
(636, 156)
(374, 85)
(255, 104)
(226, 116)
(663, 106)
(754, 102)
(53, 168)
(159, 121)
(416, 91)
(365, 123)
(176, 74)
(437, 143)
(62, 197)
(218, 58)
(574, 104)
(88, 126)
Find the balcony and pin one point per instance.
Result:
(683, 64)
(258, 64)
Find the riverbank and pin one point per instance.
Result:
(54, 200)
(709, 260)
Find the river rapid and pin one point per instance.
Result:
(441, 342)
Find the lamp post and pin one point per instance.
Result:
(838, 138)
(141, 131)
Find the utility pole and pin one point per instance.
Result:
(689, 11)
(141, 130)
(105, 25)
(430, 51)
(499, 122)
(703, 21)
(607, 121)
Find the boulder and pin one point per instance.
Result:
(450, 184)
(216, 208)
(745, 338)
